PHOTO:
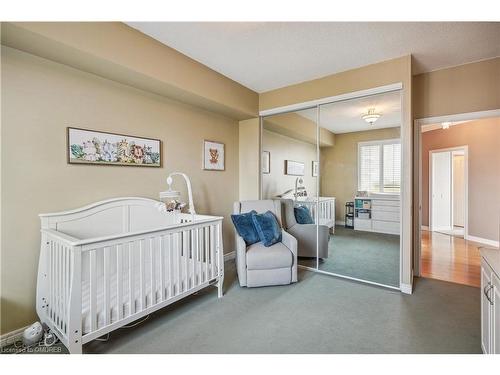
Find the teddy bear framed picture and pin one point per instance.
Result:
(213, 156)
(87, 146)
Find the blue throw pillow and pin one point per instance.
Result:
(268, 228)
(245, 227)
(302, 215)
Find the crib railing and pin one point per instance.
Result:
(325, 208)
(90, 289)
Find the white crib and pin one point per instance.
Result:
(112, 262)
(325, 207)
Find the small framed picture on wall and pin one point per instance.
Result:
(213, 156)
(266, 162)
(315, 168)
(294, 168)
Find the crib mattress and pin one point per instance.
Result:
(151, 297)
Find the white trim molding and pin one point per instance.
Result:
(331, 99)
(229, 256)
(483, 241)
(406, 288)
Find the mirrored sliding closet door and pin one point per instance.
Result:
(360, 157)
(290, 174)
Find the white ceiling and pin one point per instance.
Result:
(267, 55)
(345, 117)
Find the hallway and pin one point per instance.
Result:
(450, 258)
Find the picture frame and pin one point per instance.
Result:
(96, 147)
(213, 156)
(266, 162)
(294, 168)
(315, 168)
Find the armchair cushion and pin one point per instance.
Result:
(302, 215)
(245, 227)
(260, 257)
(268, 228)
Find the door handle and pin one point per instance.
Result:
(492, 287)
(486, 290)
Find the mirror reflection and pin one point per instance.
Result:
(339, 182)
(362, 170)
(290, 173)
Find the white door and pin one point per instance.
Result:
(441, 191)
(485, 310)
(458, 190)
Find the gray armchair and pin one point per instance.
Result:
(258, 265)
(305, 233)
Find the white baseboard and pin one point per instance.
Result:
(484, 241)
(406, 288)
(229, 256)
(424, 227)
(340, 222)
(10, 338)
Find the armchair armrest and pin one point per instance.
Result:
(306, 237)
(291, 242)
(241, 260)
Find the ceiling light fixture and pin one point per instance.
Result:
(446, 125)
(371, 116)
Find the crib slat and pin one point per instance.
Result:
(199, 233)
(93, 290)
(142, 275)
(68, 283)
(178, 254)
(131, 274)
(170, 251)
(161, 247)
(107, 296)
(194, 251)
(56, 298)
(153, 270)
(52, 297)
(65, 287)
(119, 281)
(212, 251)
(59, 286)
(186, 255)
(206, 245)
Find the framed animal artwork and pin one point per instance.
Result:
(213, 156)
(87, 146)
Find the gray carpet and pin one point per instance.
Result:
(319, 314)
(363, 255)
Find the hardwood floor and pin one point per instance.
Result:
(450, 258)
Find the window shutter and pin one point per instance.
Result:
(392, 168)
(369, 168)
(379, 167)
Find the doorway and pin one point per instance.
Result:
(448, 191)
(448, 240)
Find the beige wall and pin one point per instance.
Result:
(116, 51)
(339, 165)
(483, 139)
(283, 148)
(39, 100)
(296, 126)
(461, 89)
(249, 159)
